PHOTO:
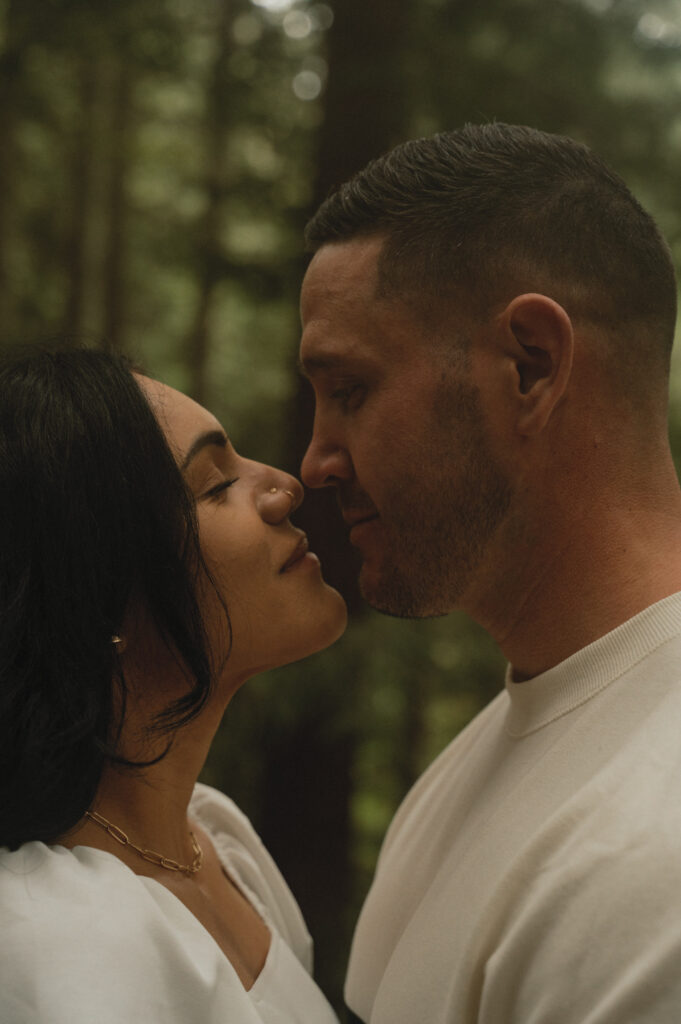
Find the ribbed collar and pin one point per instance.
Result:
(541, 700)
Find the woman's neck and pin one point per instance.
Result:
(149, 805)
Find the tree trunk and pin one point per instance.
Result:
(210, 261)
(366, 96)
(119, 156)
(309, 776)
(11, 67)
(81, 192)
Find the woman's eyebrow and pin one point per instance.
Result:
(216, 437)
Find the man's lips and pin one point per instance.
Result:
(298, 552)
(354, 518)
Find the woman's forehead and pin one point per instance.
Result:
(180, 417)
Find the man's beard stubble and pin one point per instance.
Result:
(440, 527)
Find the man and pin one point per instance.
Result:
(487, 325)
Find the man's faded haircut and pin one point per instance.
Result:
(473, 217)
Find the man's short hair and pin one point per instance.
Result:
(476, 216)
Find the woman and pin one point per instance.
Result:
(146, 571)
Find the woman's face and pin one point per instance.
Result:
(279, 606)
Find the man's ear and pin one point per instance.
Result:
(539, 335)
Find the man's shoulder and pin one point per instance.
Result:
(437, 783)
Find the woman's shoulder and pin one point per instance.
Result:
(43, 877)
(84, 938)
(247, 861)
(221, 816)
(53, 898)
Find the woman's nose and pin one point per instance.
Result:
(280, 499)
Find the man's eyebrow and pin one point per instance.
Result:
(216, 437)
(313, 364)
(310, 365)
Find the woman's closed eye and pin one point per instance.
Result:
(220, 488)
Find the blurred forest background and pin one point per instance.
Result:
(158, 160)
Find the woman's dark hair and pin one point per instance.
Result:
(94, 513)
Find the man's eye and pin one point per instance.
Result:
(220, 488)
(349, 395)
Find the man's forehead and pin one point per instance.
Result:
(337, 270)
(348, 253)
(348, 322)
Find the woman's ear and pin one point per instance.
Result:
(539, 334)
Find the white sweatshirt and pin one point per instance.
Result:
(533, 873)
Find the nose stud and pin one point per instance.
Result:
(273, 490)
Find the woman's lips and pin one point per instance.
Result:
(300, 550)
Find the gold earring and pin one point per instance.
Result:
(119, 643)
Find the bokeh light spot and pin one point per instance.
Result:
(274, 5)
(307, 85)
(297, 24)
(322, 16)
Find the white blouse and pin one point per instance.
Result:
(84, 940)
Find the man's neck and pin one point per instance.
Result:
(608, 568)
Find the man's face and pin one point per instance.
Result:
(400, 432)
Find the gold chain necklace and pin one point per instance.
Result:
(154, 858)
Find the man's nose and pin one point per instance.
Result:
(325, 465)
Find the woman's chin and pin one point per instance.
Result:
(328, 626)
(296, 641)
(323, 632)
(338, 617)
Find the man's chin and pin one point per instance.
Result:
(392, 594)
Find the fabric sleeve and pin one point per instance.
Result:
(79, 944)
